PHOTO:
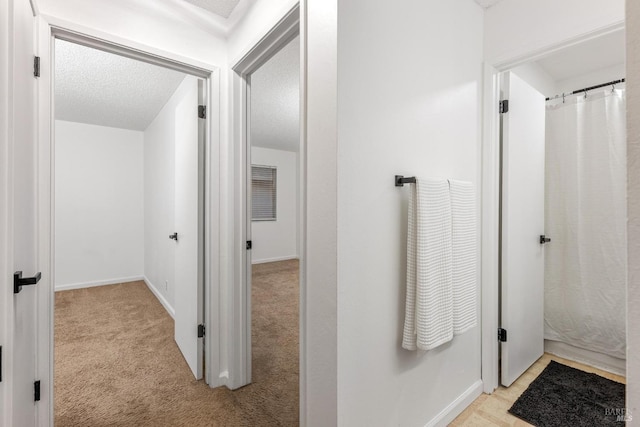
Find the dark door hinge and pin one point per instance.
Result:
(200, 331)
(36, 391)
(504, 106)
(36, 66)
(502, 335)
(249, 244)
(0, 363)
(202, 111)
(19, 281)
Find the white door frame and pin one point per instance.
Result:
(490, 196)
(49, 28)
(240, 327)
(6, 208)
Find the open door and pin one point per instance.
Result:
(522, 215)
(189, 204)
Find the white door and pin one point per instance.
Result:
(522, 282)
(188, 226)
(24, 216)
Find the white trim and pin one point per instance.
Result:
(87, 36)
(45, 242)
(588, 357)
(276, 259)
(7, 318)
(106, 282)
(490, 227)
(47, 30)
(302, 217)
(536, 54)
(239, 352)
(160, 297)
(490, 209)
(270, 43)
(456, 407)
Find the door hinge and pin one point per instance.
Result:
(36, 391)
(249, 244)
(0, 363)
(202, 111)
(19, 281)
(502, 335)
(504, 106)
(36, 66)
(200, 330)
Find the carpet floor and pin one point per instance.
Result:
(562, 396)
(117, 364)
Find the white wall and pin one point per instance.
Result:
(98, 205)
(515, 28)
(633, 194)
(277, 240)
(537, 77)
(409, 102)
(159, 194)
(157, 25)
(251, 21)
(604, 75)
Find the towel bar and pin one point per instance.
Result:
(400, 180)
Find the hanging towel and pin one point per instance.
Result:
(429, 306)
(464, 251)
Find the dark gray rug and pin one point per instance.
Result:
(563, 396)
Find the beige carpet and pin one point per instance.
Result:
(116, 363)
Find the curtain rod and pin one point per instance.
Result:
(586, 89)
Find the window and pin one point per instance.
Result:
(263, 193)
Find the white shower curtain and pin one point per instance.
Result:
(585, 216)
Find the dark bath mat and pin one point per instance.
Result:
(563, 396)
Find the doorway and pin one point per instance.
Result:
(129, 163)
(288, 29)
(563, 153)
(274, 147)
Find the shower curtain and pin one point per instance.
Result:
(585, 216)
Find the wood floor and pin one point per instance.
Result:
(491, 410)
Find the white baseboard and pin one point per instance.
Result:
(266, 260)
(160, 297)
(456, 407)
(591, 358)
(97, 283)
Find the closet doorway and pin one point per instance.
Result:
(563, 209)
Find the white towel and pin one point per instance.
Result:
(429, 306)
(464, 250)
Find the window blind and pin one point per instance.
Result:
(263, 193)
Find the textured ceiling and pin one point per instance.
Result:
(275, 100)
(487, 3)
(219, 7)
(587, 57)
(100, 88)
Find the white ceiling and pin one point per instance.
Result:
(100, 88)
(275, 100)
(587, 57)
(219, 7)
(487, 3)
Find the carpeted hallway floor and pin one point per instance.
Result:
(116, 363)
